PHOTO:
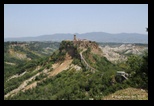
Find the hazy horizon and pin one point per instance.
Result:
(32, 20)
(68, 33)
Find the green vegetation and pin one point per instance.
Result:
(37, 58)
(41, 76)
(138, 67)
(97, 62)
(71, 84)
(33, 50)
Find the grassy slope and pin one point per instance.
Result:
(128, 94)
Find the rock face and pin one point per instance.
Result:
(76, 67)
(120, 53)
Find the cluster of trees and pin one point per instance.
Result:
(33, 50)
(67, 47)
(72, 86)
(138, 69)
(97, 62)
(38, 47)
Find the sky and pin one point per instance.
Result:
(29, 20)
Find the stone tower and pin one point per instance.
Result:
(75, 38)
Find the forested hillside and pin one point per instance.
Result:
(75, 71)
(21, 55)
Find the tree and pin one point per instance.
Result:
(135, 63)
(144, 70)
(139, 70)
(88, 50)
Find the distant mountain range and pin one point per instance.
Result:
(94, 36)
